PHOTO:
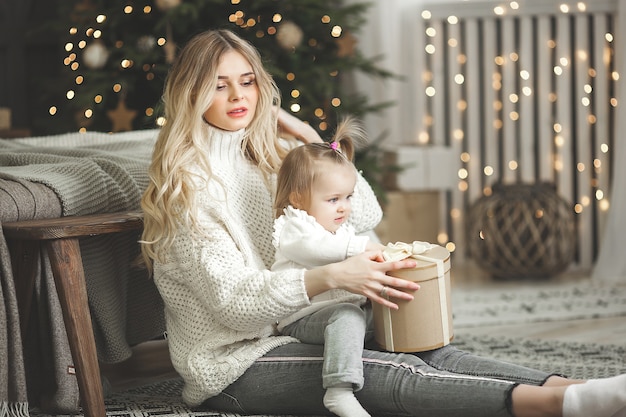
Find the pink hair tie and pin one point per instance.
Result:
(334, 146)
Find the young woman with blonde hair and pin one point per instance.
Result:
(208, 237)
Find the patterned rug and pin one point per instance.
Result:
(576, 360)
(537, 302)
(163, 399)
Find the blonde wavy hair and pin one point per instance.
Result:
(189, 91)
(300, 168)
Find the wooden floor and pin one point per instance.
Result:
(150, 361)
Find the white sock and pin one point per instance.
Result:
(341, 401)
(597, 397)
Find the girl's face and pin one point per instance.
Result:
(331, 194)
(234, 104)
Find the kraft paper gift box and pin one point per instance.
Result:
(424, 323)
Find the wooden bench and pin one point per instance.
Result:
(60, 237)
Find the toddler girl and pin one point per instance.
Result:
(313, 204)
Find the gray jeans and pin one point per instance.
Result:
(442, 382)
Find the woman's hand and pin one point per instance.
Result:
(364, 274)
(291, 126)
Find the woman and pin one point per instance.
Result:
(208, 234)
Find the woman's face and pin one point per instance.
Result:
(237, 94)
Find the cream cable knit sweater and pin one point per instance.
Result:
(221, 300)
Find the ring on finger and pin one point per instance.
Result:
(383, 291)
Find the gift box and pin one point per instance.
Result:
(424, 323)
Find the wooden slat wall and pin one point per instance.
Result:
(526, 93)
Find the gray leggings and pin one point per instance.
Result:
(442, 382)
(341, 328)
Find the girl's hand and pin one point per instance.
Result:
(291, 126)
(364, 274)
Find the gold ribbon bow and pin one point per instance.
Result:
(401, 250)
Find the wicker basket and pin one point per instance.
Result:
(521, 231)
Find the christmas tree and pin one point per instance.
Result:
(118, 53)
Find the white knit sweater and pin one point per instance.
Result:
(221, 300)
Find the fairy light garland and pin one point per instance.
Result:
(523, 89)
(86, 51)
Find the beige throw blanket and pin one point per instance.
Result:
(73, 174)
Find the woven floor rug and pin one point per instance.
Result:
(537, 302)
(576, 360)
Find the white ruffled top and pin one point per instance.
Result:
(301, 242)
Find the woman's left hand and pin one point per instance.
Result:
(291, 126)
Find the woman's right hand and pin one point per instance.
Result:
(364, 274)
(291, 126)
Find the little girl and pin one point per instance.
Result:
(316, 183)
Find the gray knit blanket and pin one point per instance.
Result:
(64, 175)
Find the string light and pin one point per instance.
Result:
(84, 34)
(515, 94)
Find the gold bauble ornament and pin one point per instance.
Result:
(146, 43)
(165, 5)
(95, 55)
(289, 35)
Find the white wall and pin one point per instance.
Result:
(383, 36)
